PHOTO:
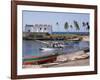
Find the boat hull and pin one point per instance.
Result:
(39, 60)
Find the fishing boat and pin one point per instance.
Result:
(47, 49)
(55, 46)
(39, 60)
(52, 48)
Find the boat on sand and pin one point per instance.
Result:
(39, 59)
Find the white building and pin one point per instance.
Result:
(38, 28)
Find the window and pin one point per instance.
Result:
(28, 30)
(40, 28)
(44, 28)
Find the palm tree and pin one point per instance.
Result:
(83, 24)
(88, 26)
(76, 25)
(66, 26)
(71, 26)
(57, 23)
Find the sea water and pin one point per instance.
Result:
(32, 48)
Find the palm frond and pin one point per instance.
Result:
(76, 25)
(66, 26)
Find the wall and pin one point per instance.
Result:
(5, 41)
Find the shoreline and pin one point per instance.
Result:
(82, 62)
(74, 59)
(46, 36)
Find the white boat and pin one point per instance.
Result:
(48, 49)
(53, 46)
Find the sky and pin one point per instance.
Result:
(43, 17)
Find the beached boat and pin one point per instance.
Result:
(39, 60)
(75, 39)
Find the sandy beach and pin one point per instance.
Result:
(83, 62)
(77, 59)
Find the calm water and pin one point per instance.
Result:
(80, 33)
(32, 48)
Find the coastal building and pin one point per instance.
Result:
(38, 28)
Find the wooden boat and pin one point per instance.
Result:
(39, 60)
(75, 39)
(52, 45)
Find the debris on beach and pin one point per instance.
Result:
(61, 58)
(78, 57)
(73, 56)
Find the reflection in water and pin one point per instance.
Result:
(32, 48)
